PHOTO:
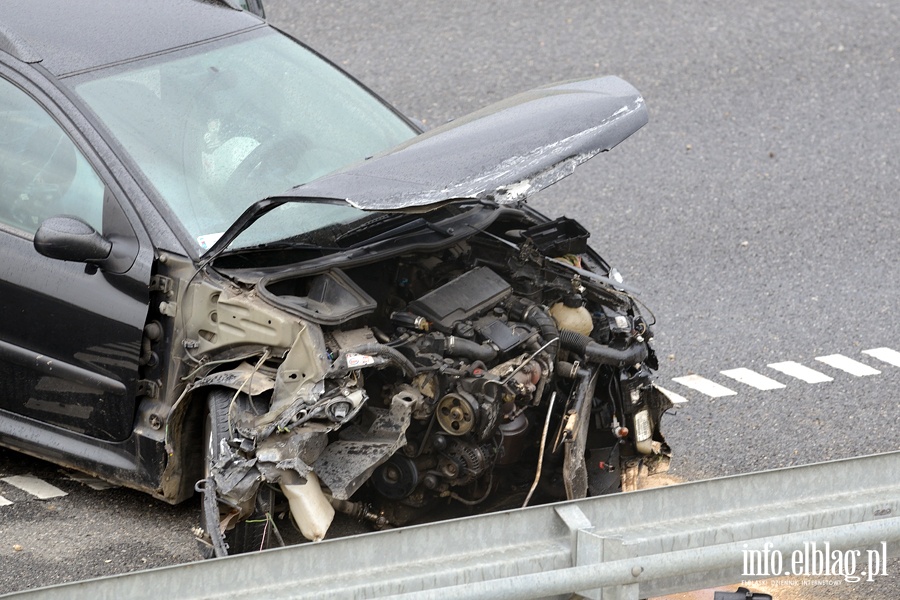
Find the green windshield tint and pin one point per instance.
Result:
(218, 130)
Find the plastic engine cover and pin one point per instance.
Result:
(463, 298)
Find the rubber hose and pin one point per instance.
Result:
(468, 349)
(604, 355)
(536, 316)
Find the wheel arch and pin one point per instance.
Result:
(184, 427)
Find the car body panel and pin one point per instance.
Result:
(71, 333)
(71, 350)
(68, 37)
(541, 136)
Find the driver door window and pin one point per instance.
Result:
(42, 173)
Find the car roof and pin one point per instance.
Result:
(71, 36)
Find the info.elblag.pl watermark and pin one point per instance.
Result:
(817, 560)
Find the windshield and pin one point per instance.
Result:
(216, 130)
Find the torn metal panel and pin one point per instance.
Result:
(575, 473)
(294, 451)
(244, 378)
(236, 478)
(347, 464)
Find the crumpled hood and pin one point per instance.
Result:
(504, 152)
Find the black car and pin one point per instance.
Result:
(228, 267)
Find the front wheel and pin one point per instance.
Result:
(248, 535)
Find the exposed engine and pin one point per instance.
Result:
(447, 377)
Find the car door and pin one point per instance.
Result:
(70, 332)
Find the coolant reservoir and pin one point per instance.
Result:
(572, 318)
(310, 508)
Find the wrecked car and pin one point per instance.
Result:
(230, 269)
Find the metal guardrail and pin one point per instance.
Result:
(619, 547)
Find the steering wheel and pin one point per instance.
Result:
(274, 161)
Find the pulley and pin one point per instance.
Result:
(456, 414)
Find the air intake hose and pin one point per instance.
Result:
(529, 312)
(457, 346)
(604, 355)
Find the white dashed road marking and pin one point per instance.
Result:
(839, 361)
(885, 355)
(704, 386)
(753, 379)
(34, 486)
(672, 396)
(801, 372)
(4, 501)
(792, 369)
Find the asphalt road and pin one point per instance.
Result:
(757, 212)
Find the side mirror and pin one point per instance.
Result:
(70, 238)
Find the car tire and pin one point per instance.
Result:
(245, 536)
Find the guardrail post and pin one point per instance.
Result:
(615, 549)
(588, 548)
